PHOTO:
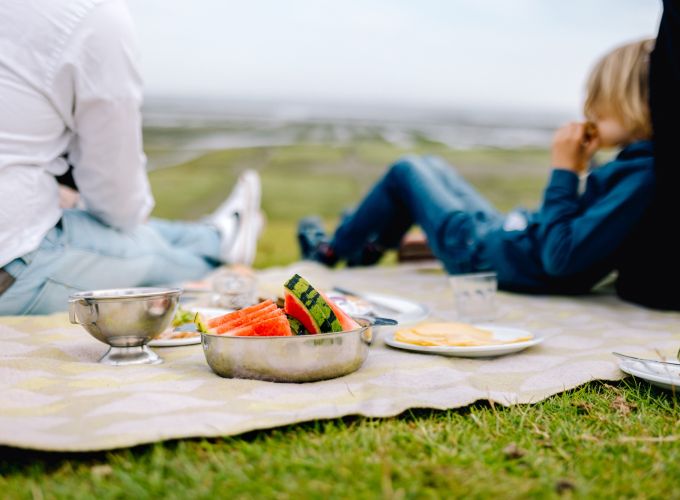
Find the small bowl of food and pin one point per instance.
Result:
(309, 339)
(126, 319)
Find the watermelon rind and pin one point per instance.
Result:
(296, 327)
(314, 304)
(345, 319)
(294, 307)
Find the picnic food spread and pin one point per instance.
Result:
(306, 311)
(450, 334)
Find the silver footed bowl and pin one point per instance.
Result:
(126, 319)
(301, 358)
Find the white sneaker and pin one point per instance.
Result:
(239, 220)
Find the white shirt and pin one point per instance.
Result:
(69, 85)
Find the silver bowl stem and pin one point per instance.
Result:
(139, 355)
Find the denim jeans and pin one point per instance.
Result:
(81, 253)
(427, 191)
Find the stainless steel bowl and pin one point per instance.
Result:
(303, 358)
(126, 319)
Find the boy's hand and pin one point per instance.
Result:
(573, 146)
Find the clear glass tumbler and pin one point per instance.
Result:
(233, 289)
(474, 296)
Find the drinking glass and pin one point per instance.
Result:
(474, 296)
(233, 289)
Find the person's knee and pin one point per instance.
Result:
(456, 242)
(406, 168)
(439, 163)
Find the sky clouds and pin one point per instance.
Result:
(520, 53)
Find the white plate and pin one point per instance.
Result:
(666, 375)
(483, 351)
(405, 311)
(207, 314)
(176, 342)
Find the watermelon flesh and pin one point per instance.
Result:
(247, 311)
(263, 319)
(305, 303)
(273, 327)
(260, 315)
(293, 307)
(316, 312)
(345, 319)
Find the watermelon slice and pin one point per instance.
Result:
(273, 327)
(247, 311)
(307, 305)
(260, 315)
(263, 319)
(345, 319)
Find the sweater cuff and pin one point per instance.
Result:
(564, 180)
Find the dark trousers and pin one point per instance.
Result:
(427, 191)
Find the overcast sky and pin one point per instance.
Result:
(510, 53)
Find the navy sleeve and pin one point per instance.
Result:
(572, 238)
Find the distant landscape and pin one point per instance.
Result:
(320, 159)
(179, 129)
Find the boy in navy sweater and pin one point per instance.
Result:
(567, 246)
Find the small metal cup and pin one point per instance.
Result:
(126, 319)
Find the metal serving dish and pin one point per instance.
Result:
(304, 358)
(126, 319)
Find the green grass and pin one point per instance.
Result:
(600, 440)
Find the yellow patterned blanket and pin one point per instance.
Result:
(55, 396)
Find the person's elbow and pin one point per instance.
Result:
(559, 262)
(124, 216)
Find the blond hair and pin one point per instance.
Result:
(618, 86)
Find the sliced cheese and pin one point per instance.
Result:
(449, 335)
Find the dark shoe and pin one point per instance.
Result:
(314, 242)
(369, 255)
(310, 234)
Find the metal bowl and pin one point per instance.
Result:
(303, 358)
(126, 319)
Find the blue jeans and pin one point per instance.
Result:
(427, 191)
(81, 253)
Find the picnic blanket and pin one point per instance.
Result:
(55, 396)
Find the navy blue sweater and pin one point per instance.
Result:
(574, 240)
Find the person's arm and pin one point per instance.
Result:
(107, 154)
(573, 240)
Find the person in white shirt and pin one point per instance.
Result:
(70, 93)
